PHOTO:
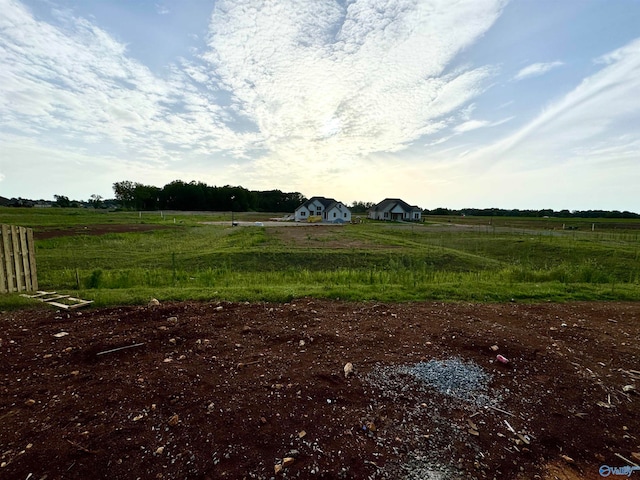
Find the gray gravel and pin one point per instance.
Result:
(453, 377)
(429, 391)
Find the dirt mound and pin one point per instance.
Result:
(229, 390)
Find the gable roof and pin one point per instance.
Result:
(390, 203)
(325, 202)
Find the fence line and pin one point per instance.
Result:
(18, 271)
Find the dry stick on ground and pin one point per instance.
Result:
(80, 447)
(120, 348)
(626, 460)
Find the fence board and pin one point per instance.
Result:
(3, 275)
(31, 250)
(24, 254)
(17, 259)
(8, 257)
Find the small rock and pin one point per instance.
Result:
(75, 373)
(568, 459)
(301, 343)
(263, 420)
(629, 388)
(494, 348)
(219, 308)
(30, 403)
(154, 302)
(61, 334)
(277, 468)
(502, 359)
(173, 421)
(172, 319)
(172, 341)
(287, 461)
(348, 370)
(246, 329)
(636, 455)
(168, 360)
(159, 450)
(138, 417)
(211, 407)
(302, 434)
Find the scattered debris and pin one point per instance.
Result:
(348, 369)
(154, 302)
(502, 359)
(120, 348)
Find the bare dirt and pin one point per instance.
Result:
(42, 233)
(232, 390)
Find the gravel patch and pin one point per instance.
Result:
(453, 377)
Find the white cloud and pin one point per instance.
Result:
(282, 87)
(600, 114)
(322, 82)
(536, 69)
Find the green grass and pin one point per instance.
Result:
(370, 261)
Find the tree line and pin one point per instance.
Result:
(499, 212)
(198, 196)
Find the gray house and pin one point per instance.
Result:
(394, 209)
(321, 209)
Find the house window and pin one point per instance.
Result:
(345, 214)
(334, 214)
(386, 214)
(302, 214)
(416, 216)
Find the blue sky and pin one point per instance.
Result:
(470, 103)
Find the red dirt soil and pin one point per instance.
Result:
(230, 390)
(42, 233)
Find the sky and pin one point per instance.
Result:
(526, 104)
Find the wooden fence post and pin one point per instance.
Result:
(17, 260)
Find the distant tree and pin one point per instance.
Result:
(360, 207)
(125, 193)
(95, 201)
(62, 201)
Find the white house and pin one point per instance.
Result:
(394, 209)
(321, 209)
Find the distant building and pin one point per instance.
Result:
(321, 209)
(394, 209)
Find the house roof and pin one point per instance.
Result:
(327, 203)
(390, 203)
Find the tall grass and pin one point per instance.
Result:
(367, 261)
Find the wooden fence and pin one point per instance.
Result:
(17, 260)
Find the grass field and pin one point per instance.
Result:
(449, 259)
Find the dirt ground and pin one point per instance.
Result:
(233, 390)
(42, 233)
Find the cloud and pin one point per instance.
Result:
(536, 69)
(293, 84)
(74, 84)
(601, 110)
(162, 9)
(322, 81)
